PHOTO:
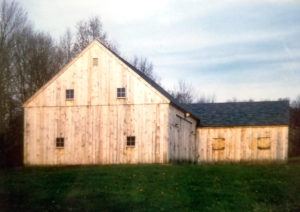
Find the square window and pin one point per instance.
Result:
(121, 92)
(95, 61)
(60, 142)
(218, 144)
(69, 94)
(130, 141)
(263, 143)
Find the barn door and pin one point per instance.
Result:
(174, 139)
(184, 139)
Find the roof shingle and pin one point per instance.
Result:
(242, 113)
(226, 114)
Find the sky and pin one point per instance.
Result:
(231, 49)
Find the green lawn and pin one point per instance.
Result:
(227, 187)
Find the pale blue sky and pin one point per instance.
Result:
(242, 49)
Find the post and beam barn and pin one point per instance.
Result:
(99, 109)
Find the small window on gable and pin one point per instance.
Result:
(218, 144)
(121, 92)
(95, 61)
(69, 94)
(60, 142)
(130, 141)
(263, 143)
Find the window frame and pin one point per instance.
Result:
(121, 93)
(130, 142)
(218, 144)
(60, 142)
(95, 61)
(70, 94)
(264, 143)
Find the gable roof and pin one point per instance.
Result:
(242, 113)
(209, 114)
(154, 84)
(141, 74)
(57, 75)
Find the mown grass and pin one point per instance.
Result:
(226, 187)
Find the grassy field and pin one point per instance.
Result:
(229, 187)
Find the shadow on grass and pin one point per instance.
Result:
(219, 187)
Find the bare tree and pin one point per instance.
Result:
(12, 20)
(296, 103)
(206, 99)
(295, 114)
(183, 92)
(87, 31)
(144, 66)
(66, 46)
(233, 99)
(36, 61)
(294, 128)
(28, 59)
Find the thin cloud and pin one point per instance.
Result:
(217, 45)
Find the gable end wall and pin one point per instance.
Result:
(96, 123)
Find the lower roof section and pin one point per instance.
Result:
(231, 114)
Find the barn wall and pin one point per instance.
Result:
(242, 143)
(96, 123)
(96, 85)
(182, 136)
(96, 134)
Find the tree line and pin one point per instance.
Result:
(29, 58)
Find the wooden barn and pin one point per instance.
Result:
(99, 109)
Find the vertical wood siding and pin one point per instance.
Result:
(96, 135)
(96, 85)
(95, 125)
(182, 137)
(243, 143)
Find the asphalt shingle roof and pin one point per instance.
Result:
(242, 113)
(226, 114)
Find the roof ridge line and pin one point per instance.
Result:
(237, 102)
